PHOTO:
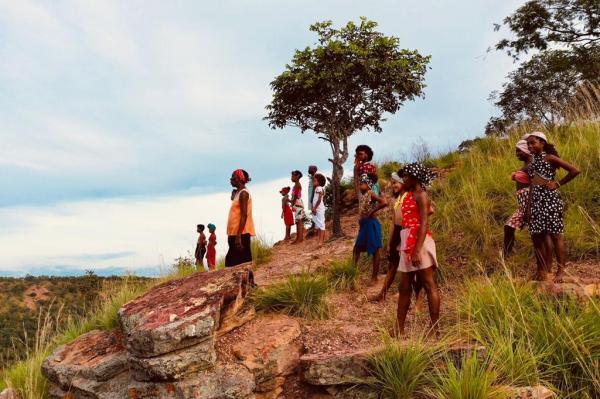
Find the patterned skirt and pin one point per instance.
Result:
(517, 219)
(546, 211)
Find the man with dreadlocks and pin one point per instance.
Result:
(369, 229)
(417, 248)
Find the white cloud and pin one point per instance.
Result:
(124, 233)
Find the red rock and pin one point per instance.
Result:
(183, 312)
(95, 356)
(83, 388)
(270, 348)
(175, 365)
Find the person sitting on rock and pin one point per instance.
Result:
(369, 230)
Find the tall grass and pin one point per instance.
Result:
(342, 274)
(477, 196)
(25, 376)
(262, 251)
(534, 335)
(472, 380)
(300, 295)
(402, 370)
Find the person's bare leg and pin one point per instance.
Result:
(541, 254)
(405, 292)
(417, 289)
(558, 241)
(288, 232)
(427, 277)
(322, 234)
(376, 261)
(389, 280)
(509, 241)
(300, 236)
(355, 256)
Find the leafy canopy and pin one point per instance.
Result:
(346, 82)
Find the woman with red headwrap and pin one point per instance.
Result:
(240, 224)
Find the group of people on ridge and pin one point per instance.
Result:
(411, 247)
(540, 205)
(292, 208)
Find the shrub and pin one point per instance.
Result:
(342, 274)
(402, 370)
(301, 295)
(474, 379)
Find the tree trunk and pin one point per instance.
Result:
(340, 155)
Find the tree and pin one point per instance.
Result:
(565, 38)
(345, 83)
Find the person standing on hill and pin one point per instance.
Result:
(312, 169)
(363, 165)
(240, 224)
(211, 251)
(286, 212)
(298, 206)
(318, 207)
(417, 248)
(545, 203)
(518, 219)
(200, 247)
(369, 229)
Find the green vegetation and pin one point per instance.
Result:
(300, 295)
(473, 379)
(342, 274)
(262, 251)
(535, 336)
(476, 197)
(402, 370)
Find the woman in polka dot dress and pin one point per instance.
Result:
(546, 206)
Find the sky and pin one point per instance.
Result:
(121, 121)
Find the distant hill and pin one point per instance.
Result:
(24, 300)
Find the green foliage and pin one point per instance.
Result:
(300, 295)
(472, 380)
(346, 83)
(565, 38)
(557, 340)
(185, 265)
(342, 274)
(402, 370)
(262, 251)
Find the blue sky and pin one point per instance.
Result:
(135, 100)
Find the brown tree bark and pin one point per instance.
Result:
(340, 155)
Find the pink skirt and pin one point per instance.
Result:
(428, 254)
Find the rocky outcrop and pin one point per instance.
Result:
(165, 347)
(183, 312)
(8, 393)
(537, 392)
(271, 350)
(335, 368)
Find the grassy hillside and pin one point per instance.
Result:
(477, 196)
(23, 300)
(472, 202)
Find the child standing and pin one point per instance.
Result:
(298, 206)
(318, 206)
(200, 247)
(211, 252)
(286, 212)
(369, 232)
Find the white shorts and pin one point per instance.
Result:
(319, 219)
